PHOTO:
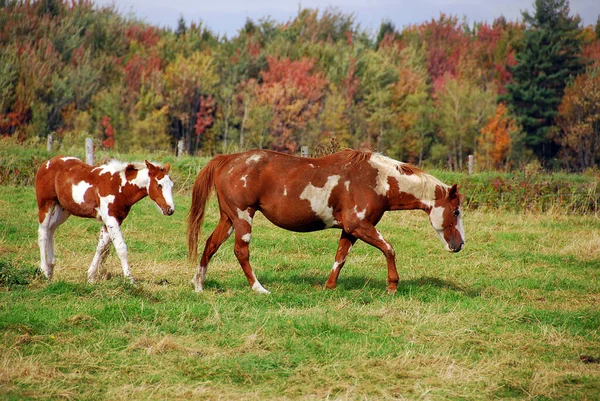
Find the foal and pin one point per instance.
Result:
(66, 186)
(349, 190)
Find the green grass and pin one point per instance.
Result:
(507, 318)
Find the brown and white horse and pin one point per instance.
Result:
(66, 186)
(349, 190)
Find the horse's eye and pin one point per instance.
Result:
(457, 212)
(159, 186)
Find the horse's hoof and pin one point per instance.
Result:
(197, 286)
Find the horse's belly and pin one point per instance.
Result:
(293, 221)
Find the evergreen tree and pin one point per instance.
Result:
(548, 57)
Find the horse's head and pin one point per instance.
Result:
(160, 186)
(446, 218)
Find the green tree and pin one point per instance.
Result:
(548, 57)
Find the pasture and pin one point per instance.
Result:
(515, 315)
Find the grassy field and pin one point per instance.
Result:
(513, 316)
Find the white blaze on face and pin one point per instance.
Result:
(436, 217)
(167, 190)
(79, 190)
(319, 199)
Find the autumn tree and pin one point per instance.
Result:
(579, 119)
(494, 141)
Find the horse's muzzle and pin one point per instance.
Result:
(456, 248)
(168, 211)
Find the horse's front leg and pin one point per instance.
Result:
(345, 244)
(114, 230)
(368, 233)
(101, 252)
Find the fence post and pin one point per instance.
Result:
(470, 163)
(89, 151)
(304, 151)
(50, 143)
(180, 148)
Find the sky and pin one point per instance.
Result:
(226, 17)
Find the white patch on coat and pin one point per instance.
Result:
(246, 237)
(244, 178)
(253, 159)
(460, 227)
(245, 215)
(319, 200)
(387, 244)
(47, 164)
(64, 159)
(422, 186)
(335, 266)
(360, 215)
(102, 210)
(284, 191)
(347, 184)
(311, 165)
(79, 190)
(229, 232)
(141, 180)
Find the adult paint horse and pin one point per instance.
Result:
(66, 186)
(349, 190)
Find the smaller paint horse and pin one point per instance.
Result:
(66, 186)
(349, 190)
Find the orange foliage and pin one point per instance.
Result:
(494, 141)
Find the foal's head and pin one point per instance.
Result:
(160, 186)
(446, 218)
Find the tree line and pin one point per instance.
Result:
(510, 92)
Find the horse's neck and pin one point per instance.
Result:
(136, 189)
(412, 192)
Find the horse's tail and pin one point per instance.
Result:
(203, 186)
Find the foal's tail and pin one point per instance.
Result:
(203, 186)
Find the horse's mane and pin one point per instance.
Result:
(361, 156)
(117, 166)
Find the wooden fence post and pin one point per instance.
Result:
(470, 163)
(50, 143)
(89, 151)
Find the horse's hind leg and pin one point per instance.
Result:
(50, 218)
(345, 244)
(243, 232)
(101, 252)
(58, 217)
(45, 215)
(218, 236)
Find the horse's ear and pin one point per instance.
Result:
(167, 167)
(453, 193)
(149, 165)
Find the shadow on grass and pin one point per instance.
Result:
(405, 287)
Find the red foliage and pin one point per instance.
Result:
(109, 132)
(146, 36)
(205, 117)
(138, 69)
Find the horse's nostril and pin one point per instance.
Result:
(170, 211)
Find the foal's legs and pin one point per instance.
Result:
(368, 233)
(101, 252)
(114, 231)
(218, 236)
(243, 232)
(345, 244)
(54, 216)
